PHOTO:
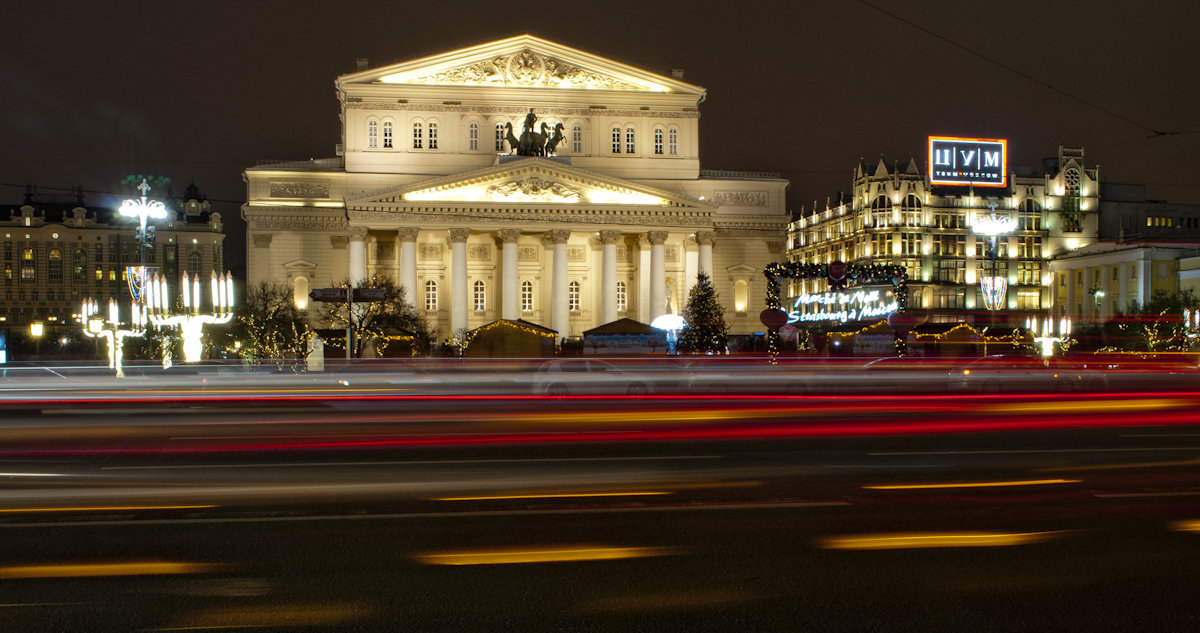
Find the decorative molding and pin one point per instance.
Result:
(384, 250)
(623, 253)
(311, 189)
(672, 253)
(533, 189)
(431, 251)
(518, 111)
(262, 240)
(338, 241)
(529, 69)
(459, 235)
(407, 234)
(705, 237)
(741, 198)
(527, 216)
(508, 236)
(479, 252)
(527, 253)
(358, 233)
(575, 254)
(608, 237)
(321, 223)
(657, 237)
(558, 236)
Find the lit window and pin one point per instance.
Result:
(79, 264)
(622, 297)
(433, 136)
(56, 265)
(417, 136)
(387, 134)
(629, 144)
(473, 136)
(372, 133)
(573, 296)
(28, 265)
(526, 296)
(193, 264)
(480, 296)
(577, 139)
(658, 140)
(431, 295)
(616, 140)
(673, 141)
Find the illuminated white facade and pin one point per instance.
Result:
(615, 222)
(893, 215)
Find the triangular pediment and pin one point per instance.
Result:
(531, 180)
(523, 61)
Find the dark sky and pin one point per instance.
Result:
(197, 91)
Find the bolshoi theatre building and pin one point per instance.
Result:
(519, 179)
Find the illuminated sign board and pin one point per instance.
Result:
(977, 162)
(841, 306)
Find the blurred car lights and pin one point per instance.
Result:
(541, 555)
(933, 539)
(977, 484)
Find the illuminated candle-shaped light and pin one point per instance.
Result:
(229, 290)
(196, 293)
(112, 311)
(187, 297)
(215, 301)
(164, 296)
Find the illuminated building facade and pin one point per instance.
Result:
(519, 179)
(55, 253)
(894, 215)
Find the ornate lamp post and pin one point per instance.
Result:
(37, 329)
(1047, 338)
(993, 286)
(143, 210)
(192, 320)
(109, 329)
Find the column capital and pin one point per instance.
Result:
(705, 237)
(459, 235)
(657, 238)
(407, 234)
(558, 237)
(608, 237)
(358, 233)
(509, 236)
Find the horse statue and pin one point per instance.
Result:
(513, 144)
(555, 138)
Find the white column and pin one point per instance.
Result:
(559, 315)
(1123, 274)
(358, 255)
(643, 295)
(608, 276)
(510, 307)
(705, 240)
(658, 274)
(458, 279)
(407, 263)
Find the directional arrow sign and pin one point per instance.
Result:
(328, 294)
(370, 294)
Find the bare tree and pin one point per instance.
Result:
(379, 320)
(272, 325)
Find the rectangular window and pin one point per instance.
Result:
(673, 141)
(616, 140)
(527, 297)
(417, 136)
(1116, 272)
(658, 141)
(387, 134)
(629, 145)
(433, 136)
(577, 140)
(431, 298)
(621, 297)
(499, 138)
(474, 136)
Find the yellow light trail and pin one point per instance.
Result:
(557, 495)
(930, 540)
(537, 555)
(979, 484)
(1186, 526)
(103, 508)
(89, 570)
(1086, 406)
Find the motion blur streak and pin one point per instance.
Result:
(103, 508)
(541, 555)
(1078, 406)
(1186, 526)
(88, 570)
(272, 616)
(980, 484)
(563, 495)
(927, 540)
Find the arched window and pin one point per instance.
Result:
(573, 296)
(1030, 216)
(910, 210)
(499, 137)
(658, 141)
(431, 295)
(194, 262)
(387, 134)
(577, 139)
(616, 139)
(622, 297)
(56, 265)
(79, 264)
(629, 144)
(473, 136)
(741, 295)
(673, 141)
(417, 136)
(433, 136)
(28, 264)
(480, 296)
(526, 296)
(881, 211)
(372, 134)
(300, 292)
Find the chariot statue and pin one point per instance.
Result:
(534, 141)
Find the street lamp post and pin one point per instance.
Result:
(1097, 298)
(37, 329)
(994, 287)
(109, 328)
(1048, 336)
(143, 209)
(192, 320)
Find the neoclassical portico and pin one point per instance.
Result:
(521, 180)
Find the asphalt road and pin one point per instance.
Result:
(972, 513)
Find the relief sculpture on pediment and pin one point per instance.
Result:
(526, 68)
(533, 189)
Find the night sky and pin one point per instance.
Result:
(198, 91)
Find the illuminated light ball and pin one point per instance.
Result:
(773, 318)
(902, 322)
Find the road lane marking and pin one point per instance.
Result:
(980, 484)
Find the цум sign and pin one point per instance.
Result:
(977, 162)
(841, 306)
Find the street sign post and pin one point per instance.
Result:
(361, 295)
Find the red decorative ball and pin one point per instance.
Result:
(902, 322)
(773, 318)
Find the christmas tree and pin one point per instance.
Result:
(705, 329)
